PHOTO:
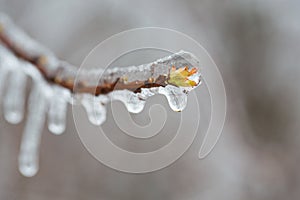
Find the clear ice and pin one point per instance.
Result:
(51, 100)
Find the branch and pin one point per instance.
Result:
(173, 76)
(59, 72)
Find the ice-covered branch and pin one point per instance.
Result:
(54, 86)
(62, 73)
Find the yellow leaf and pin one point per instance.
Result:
(180, 77)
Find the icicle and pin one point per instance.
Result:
(58, 110)
(7, 61)
(176, 97)
(131, 100)
(95, 108)
(15, 97)
(3, 76)
(29, 151)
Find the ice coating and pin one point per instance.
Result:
(171, 65)
(25, 43)
(173, 76)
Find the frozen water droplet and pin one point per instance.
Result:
(176, 97)
(131, 100)
(29, 150)
(95, 109)
(58, 110)
(15, 97)
(28, 165)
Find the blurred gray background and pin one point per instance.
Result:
(256, 46)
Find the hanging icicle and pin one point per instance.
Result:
(29, 151)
